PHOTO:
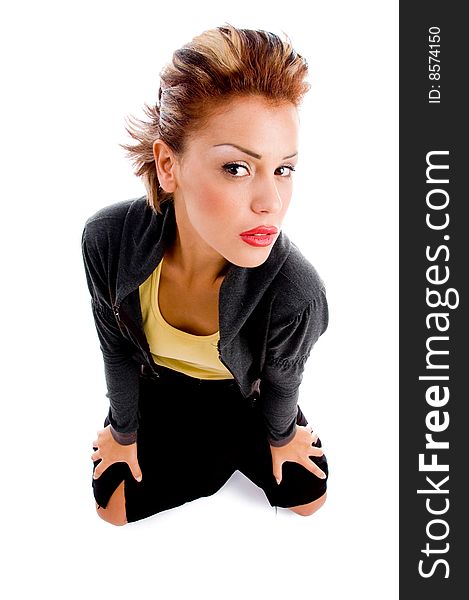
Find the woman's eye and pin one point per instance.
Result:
(233, 169)
(287, 170)
(238, 170)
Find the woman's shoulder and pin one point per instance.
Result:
(108, 225)
(297, 284)
(115, 212)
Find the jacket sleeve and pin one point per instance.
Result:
(121, 371)
(288, 350)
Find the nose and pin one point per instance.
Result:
(266, 197)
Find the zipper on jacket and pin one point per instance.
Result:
(133, 337)
(234, 377)
(253, 397)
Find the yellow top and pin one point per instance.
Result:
(193, 355)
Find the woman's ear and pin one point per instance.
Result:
(165, 163)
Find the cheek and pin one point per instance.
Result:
(215, 202)
(212, 201)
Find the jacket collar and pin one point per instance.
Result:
(145, 235)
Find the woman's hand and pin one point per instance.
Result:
(298, 450)
(109, 452)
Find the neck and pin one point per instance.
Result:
(191, 255)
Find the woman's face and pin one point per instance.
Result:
(235, 176)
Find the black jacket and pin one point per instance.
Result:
(270, 316)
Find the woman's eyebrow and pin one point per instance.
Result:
(250, 152)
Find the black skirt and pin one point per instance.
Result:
(193, 435)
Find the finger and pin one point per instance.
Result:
(314, 469)
(277, 471)
(95, 443)
(315, 437)
(101, 467)
(315, 451)
(96, 455)
(309, 428)
(135, 470)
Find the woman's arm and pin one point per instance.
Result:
(121, 374)
(117, 441)
(289, 348)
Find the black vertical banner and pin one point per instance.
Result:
(434, 269)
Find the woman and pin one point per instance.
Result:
(205, 311)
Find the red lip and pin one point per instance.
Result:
(262, 229)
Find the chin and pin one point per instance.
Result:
(251, 260)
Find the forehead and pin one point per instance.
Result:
(250, 119)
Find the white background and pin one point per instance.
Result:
(71, 72)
